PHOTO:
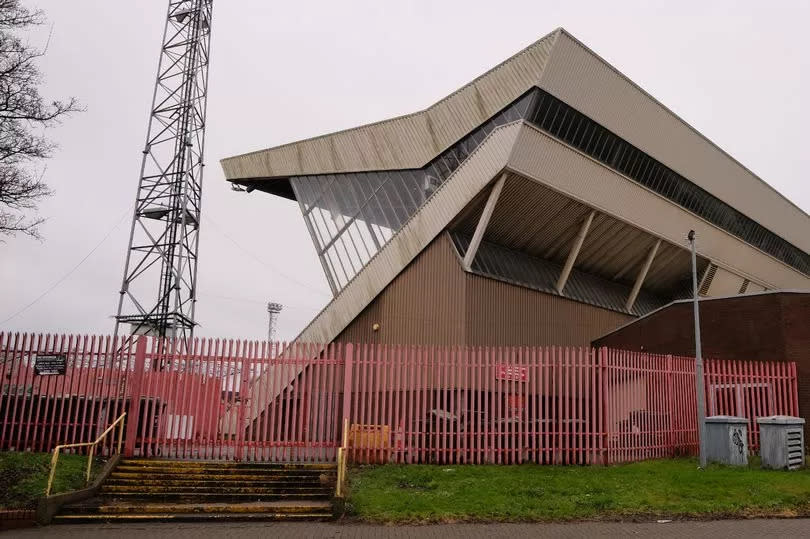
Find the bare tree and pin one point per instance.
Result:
(24, 115)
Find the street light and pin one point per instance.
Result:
(699, 384)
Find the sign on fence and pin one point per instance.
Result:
(46, 364)
(510, 372)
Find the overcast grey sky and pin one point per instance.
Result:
(737, 71)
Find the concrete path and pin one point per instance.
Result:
(715, 530)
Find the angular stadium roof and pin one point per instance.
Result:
(568, 69)
(562, 67)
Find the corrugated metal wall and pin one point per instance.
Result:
(498, 313)
(433, 301)
(424, 304)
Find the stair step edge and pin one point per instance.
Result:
(196, 509)
(133, 517)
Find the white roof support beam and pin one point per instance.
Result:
(322, 258)
(574, 253)
(642, 274)
(483, 222)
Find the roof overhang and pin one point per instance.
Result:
(563, 66)
(407, 141)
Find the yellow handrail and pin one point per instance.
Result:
(92, 445)
(341, 460)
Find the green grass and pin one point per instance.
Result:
(23, 477)
(652, 489)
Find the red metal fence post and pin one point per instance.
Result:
(670, 408)
(794, 390)
(244, 399)
(603, 403)
(134, 390)
(348, 363)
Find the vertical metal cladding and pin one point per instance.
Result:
(498, 313)
(572, 73)
(424, 304)
(433, 301)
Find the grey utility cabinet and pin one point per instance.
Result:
(727, 440)
(781, 442)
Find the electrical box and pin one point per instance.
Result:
(781, 442)
(727, 440)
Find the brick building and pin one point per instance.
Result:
(766, 326)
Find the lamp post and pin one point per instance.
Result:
(699, 383)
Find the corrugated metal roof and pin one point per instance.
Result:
(561, 168)
(542, 223)
(407, 141)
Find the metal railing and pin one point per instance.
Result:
(341, 461)
(90, 453)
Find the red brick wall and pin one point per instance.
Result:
(796, 333)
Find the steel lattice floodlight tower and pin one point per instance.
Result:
(158, 292)
(273, 310)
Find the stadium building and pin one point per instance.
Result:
(546, 202)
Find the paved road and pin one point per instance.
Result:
(715, 530)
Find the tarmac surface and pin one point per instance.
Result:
(283, 530)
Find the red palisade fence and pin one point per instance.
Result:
(258, 401)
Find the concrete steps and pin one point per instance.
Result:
(215, 481)
(144, 490)
(214, 475)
